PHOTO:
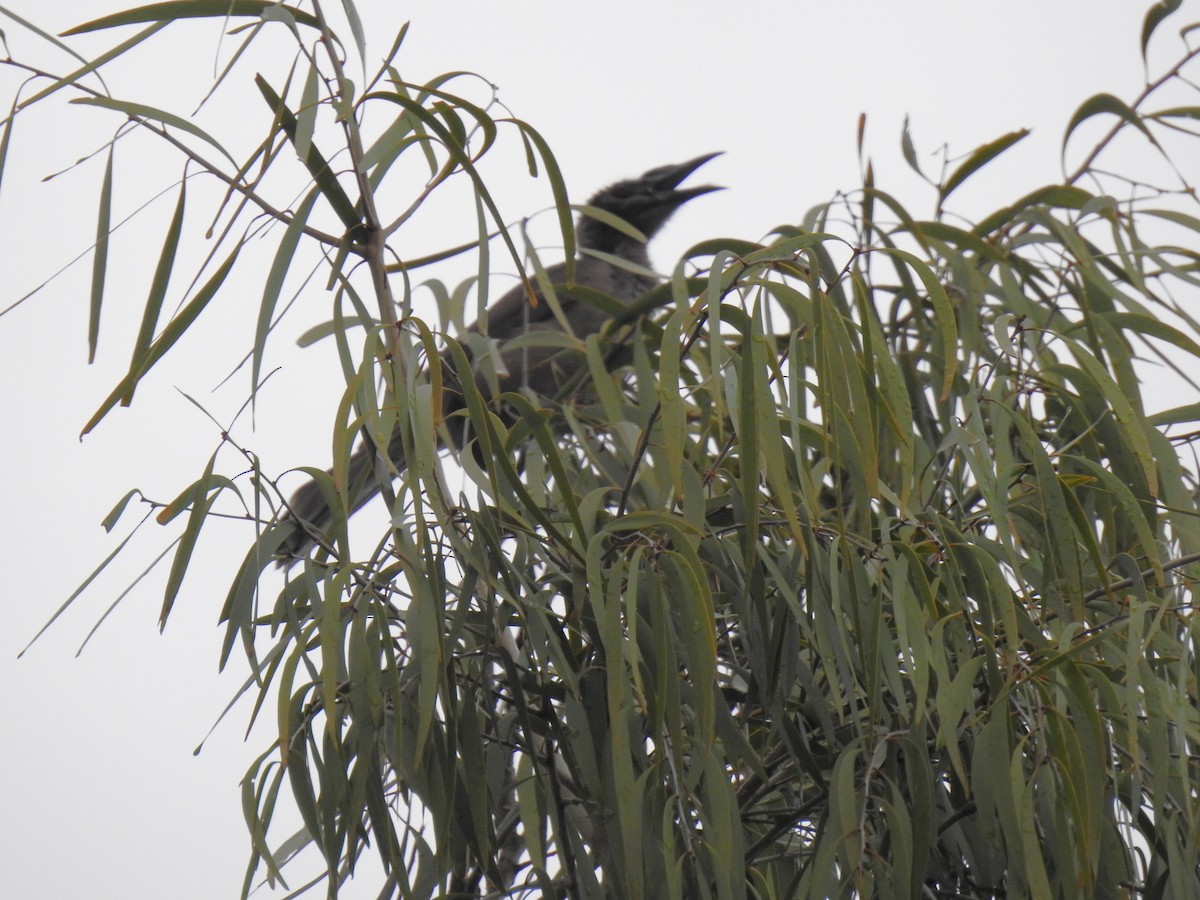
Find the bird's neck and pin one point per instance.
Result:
(593, 235)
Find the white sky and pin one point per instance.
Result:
(101, 794)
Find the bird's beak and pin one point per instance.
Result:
(669, 177)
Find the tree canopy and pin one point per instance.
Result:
(860, 565)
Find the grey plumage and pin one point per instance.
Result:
(646, 203)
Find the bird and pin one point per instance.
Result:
(646, 203)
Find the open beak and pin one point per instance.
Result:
(668, 178)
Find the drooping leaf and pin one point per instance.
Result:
(1106, 104)
(167, 339)
(280, 266)
(175, 10)
(138, 111)
(100, 260)
(158, 287)
(979, 158)
(1154, 17)
(324, 176)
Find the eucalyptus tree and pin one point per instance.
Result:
(856, 561)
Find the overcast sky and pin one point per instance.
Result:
(102, 796)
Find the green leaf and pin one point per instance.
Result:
(943, 312)
(75, 77)
(908, 150)
(558, 188)
(1054, 195)
(1154, 17)
(979, 158)
(193, 9)
(956, 237)
(158, 288)
(278, 273)
(356, 28)
(165, 341)
(114, 515)
(95, 573)
(538, 425)
(100, 260)
(1155, 328)
(1127, 418)
(1178, 415)
(137, 111)
(317, 167)
(1106, 104)
(200, 502)
(306, 117)
(1175, 112)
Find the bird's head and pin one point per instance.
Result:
(645, 202)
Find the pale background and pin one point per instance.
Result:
(99, 791)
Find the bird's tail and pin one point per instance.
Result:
(308, 511)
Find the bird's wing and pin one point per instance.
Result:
(513, 313)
